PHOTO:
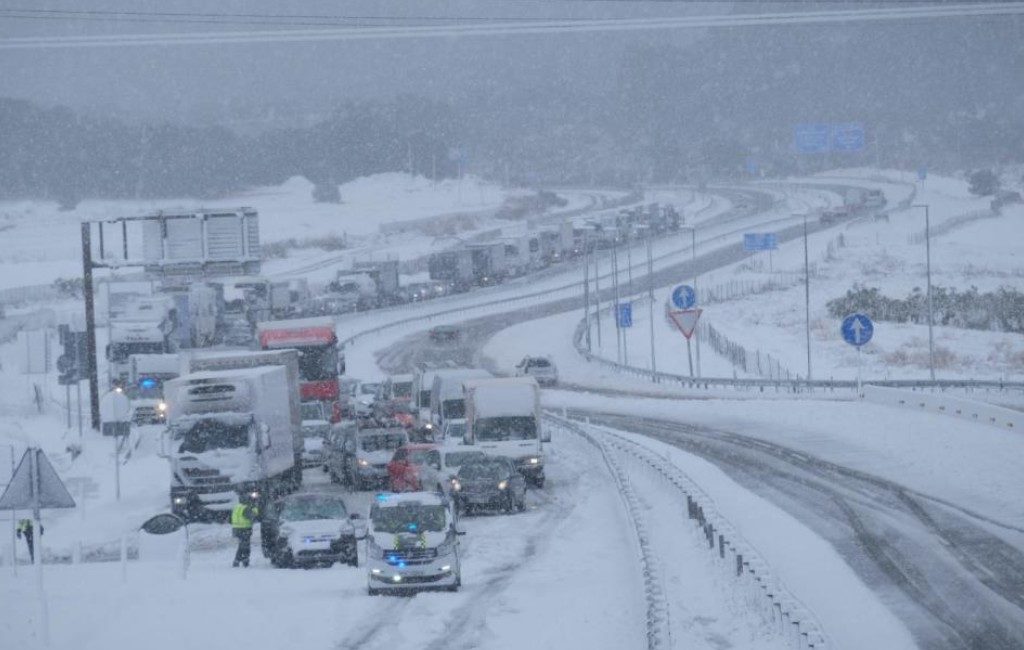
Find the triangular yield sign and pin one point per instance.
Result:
(20, 494)
(686, 320)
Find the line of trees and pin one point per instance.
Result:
(1001, 310)
(61, 155)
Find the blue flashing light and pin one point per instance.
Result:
(412, 527)
(383, 496)
(147, 383)
(401, 565)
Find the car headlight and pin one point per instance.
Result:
(162, 406)
(502, 485)
(179, 501)
(456, 485)
(362, 462)
(534, 460)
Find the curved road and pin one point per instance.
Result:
(952, 576)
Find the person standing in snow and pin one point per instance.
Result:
(25, 529)
(242, 516)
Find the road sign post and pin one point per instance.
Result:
(35, 485)
(857, 329)
(685, 321)
(115, 413)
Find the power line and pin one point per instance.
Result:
(339, 33)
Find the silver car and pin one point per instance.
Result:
(540, 368)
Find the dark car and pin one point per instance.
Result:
(489, 482)
(444, 334)
(309, 530)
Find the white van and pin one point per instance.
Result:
(446, 398)
(503, 419)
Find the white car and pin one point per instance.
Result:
(540, 368)
(412, 543)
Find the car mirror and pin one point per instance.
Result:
(460, 533)
(355, 515)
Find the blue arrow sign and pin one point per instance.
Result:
(857, 329)
(760, 241)
(684, 297)
(624, 314)
(847, 137)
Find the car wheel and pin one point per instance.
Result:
(521, 506)
(509, 504)
(370, 591)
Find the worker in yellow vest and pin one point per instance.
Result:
(25, 529)
(242, 516)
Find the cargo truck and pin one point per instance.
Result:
(319, 359)
(288, 359)
(142, 326)
(229, 434)
(503, 419)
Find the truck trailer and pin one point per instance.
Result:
(503, 419)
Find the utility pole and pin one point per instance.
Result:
(928, 271)
(696, 276)
(807, 299)
(615, 294)
(597, 295)
(650, 301)
(586, 291)
(90, 325)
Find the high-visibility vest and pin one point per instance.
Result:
(25, 525)
(239, 516)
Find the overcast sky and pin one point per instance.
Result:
(173, 81)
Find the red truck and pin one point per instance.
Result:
(319, 361)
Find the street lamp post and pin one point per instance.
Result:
(807, 300)
(928, 272)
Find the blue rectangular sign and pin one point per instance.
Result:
(624, 314)
(760, 241)
(848, 137)
(811, 138)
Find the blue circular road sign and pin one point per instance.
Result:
(857, 329)
(684, 297)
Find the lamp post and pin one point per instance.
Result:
(928, 272)
(807, 300)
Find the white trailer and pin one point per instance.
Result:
(503, 419)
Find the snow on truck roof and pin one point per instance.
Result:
(232, 373)
(503, 396)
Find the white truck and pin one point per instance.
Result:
(143, 326)
(446, 396)
(199, 309)
(503, 419)
(229, 433)
(147, 374)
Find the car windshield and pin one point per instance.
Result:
(306, 508)
(423, 456)
(481, 470)
(457, 430)
(382, 442)
(454, 408)
(312, 411)
(208, 434)
(318, 363)
(316, 430)
(369, 389)
(505, 428)
(409, 517)
(458, 458)
(425, 397)
(540, 363)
